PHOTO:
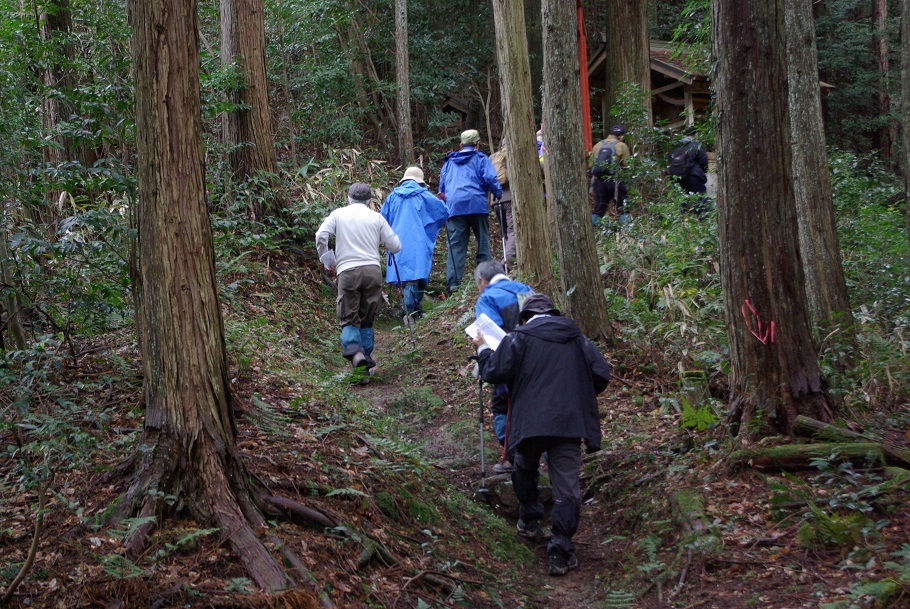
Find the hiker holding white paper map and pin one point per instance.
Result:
(491, 332)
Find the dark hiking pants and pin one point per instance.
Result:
(564, 465)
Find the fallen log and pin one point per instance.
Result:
(800, 456)
(894, 455)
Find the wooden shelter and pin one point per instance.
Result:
(680, 93)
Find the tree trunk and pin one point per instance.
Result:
(288, 97)
(826, 289)
(884, 137)
(529, 210)
(188, 450)
(55, 23)
(905, 102)
(582, 290)
(629, 59)
(402, 78)
(247, 131)
(10, 302)
(775, 372)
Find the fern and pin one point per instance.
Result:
(617, 599)
(347, 492)
(120, 567)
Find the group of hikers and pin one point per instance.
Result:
(545, 373)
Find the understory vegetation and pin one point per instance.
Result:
(73, 408)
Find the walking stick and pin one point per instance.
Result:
(502, 229)
(406, 317)
(483, 492)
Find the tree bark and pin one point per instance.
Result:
(628, 60)
(11, 301)
(884, 138)
(800, 456)
(775, 372)
(826, 431)
(905, 103)
(402, 78)
(826, 288)
(188, 450)
(247, 131)
(529, 210)
(582, 290)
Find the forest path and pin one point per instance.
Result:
(410, 362)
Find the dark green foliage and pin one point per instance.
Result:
(847, 60)
(340, 65)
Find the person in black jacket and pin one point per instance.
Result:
(554, 375)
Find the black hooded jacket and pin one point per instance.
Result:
(554, 375)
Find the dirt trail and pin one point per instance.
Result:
(403, 366)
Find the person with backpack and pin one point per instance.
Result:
(689, 165)
(416, 216)
(467, 176)
(500, 299)
(500, 160)
(554, 375)
(609, 156)
(359, 233)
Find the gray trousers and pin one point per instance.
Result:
(564, 465)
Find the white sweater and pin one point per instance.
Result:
(359, 233)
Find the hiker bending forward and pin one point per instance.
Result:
(554, 375)
(359, 233)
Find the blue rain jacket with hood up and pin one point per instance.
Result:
(466, 178)
(416, 216)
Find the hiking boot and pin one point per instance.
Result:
(560, 565)
(361, 360)
(503, 468)
(531, 530)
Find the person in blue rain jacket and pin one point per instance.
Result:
(466, 177)
(416, 216)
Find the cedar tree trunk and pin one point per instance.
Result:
(582, 290)
(247, 131)
(905, 102)
(775, 372)
(884, 137)
(826, 289)
(188, 450)
(402, 79)
(629, 58)
(529, 210)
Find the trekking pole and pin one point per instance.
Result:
(502, 229)
(483, 492)
(406, 317)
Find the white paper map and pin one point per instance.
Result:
(492, 333)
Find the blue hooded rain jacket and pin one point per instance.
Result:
(466, 178)
(416, 216)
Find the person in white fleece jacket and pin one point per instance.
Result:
(359, 233)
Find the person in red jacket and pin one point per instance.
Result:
(554, 375)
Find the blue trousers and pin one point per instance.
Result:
(413, 294)
(459, 230)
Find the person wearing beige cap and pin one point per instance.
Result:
(416, 216)
(466, 177)
(359, 233)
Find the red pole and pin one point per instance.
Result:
(583, 71)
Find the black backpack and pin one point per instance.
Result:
(603, 162)
(681, 161)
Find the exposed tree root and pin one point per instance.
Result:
(33, 550)
(215, 490)
(294, 508)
